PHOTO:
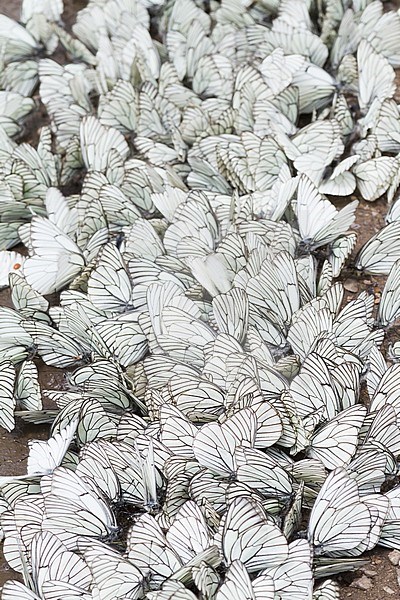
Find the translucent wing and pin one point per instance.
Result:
(231, 313)
(379, 254)
(56, 259)
(188, 534)
(387, 127)
(59, 213)
(97, 142)
(335, 443)
(389, 306)
(55, 348)
(312, 388)
(119, 107)
(294, 577)
(148, 549)
(24, 297)
(276, 288)
(340, 250)
(113, 576)
(7, 379)
(377, 176)
(376, 75)
(197, 398)
(261, 472)
(52, 561)
(383, 429)
(15, 589)
(45, 456)
(328, 590)
(238, 586)
(248, 536)
(109, 286)
(177, 432)
(319, 221)
(18, 41)
(27, 389)
(214, 444)
(338, 501)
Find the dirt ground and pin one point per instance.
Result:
(380, 578)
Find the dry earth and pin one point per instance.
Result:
(380, 578)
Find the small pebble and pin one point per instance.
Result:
(388, 590)
(351, 285)
(369, 572)
(362, 583)
(394, 557)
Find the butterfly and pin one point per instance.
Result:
(358, 521)
(330, 224)
(379, 254)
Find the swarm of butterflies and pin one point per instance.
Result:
(209, 440)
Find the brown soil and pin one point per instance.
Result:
(380, 572)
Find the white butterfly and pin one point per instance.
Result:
(18, 42)
(389, 537)
(379, 254)
(341, 182)
(109, 286)
(275, 288)
(294, 577)
(27, 388)
(318, 220)
(376, 75)
(355, 521)
(249, 536)
(214, 444)
(13, 108)
(383, 423)
(340, 250)
(8, 401)
(237, 585)
(113, 576)
(15, 589)
(198, 398)
(55, 569)
(55, 257)
(328, 590)
(387, 127)
(95, 465)
(389, 306)
(45, 456)
(262, 473)
(170, 590)
(25, 298)
(335, 443)
(98, 143)
(377, 176)
(150, 550)
(74, 507)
